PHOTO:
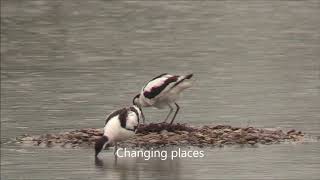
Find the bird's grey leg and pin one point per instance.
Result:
(115, 149)
(115, 160)
(142, 115)
(171, 110)
(175, 114)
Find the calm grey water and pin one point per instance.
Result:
(66, 64)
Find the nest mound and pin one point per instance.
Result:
(158, 127)
(163, 134)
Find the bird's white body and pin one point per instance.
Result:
(120, 125)
(168, 95)
(163, 91)
(115, 132)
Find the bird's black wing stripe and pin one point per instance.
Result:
(189, 76)
(157, 90)
(133, 130)
(135, 111)
(113, 114)
(123, 117)
(155, 78)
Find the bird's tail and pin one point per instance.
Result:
(183, 83)
(189, 76)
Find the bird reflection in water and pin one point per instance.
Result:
(136, 168)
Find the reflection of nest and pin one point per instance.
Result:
(163, 134)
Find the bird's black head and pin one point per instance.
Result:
(136, 101)
(100, 143)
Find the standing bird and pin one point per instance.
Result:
(163, 91)
(120, 125)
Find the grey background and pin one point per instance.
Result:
(66, 64)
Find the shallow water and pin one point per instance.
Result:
(66, 64)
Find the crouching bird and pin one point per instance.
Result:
(120, 125)
(163, 91)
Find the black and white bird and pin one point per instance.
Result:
(120, 125)
(163, 91)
